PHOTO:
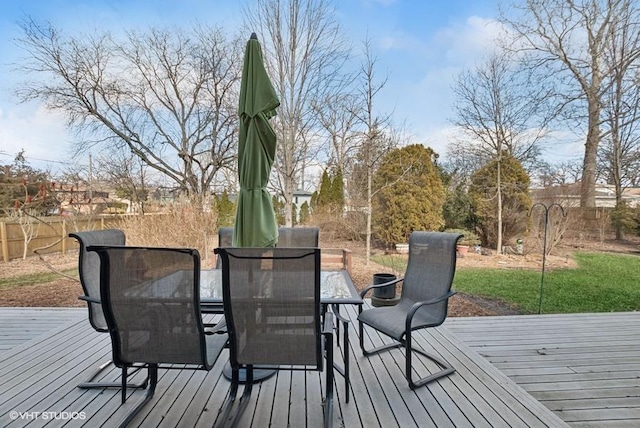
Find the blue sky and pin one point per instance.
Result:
(420, 45)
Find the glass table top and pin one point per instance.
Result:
(336, 287)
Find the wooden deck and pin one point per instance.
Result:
(584, 367)
(19, 325)
(40, 375)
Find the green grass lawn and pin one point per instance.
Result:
(602, 282)
(33, 278)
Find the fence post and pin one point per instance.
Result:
(5, 241)
(347, 260)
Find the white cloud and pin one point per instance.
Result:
(40, 132)
(401, 41)
(384, 3)
(466, 43)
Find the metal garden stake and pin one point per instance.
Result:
(544, 242)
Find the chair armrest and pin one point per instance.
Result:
(328, 324)
(418, 305)
(337, 314)
(89, 299)
(384, 284)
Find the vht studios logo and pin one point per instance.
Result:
(31, 416)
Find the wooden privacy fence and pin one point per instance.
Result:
(50, 234)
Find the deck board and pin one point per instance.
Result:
(42, 373)
(19, 325)
(584, 367)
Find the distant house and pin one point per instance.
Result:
(82, 199)
(299, 198)
(568, 195)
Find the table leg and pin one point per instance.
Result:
(343, 371)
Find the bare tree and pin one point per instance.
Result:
(377, 138)
(569, 40)
(338, 116)
(619, 156)
(560, 174)
(499, 110)
(168, 96)
(304, 52)
(128, 174)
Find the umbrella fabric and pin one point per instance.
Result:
(255, 223)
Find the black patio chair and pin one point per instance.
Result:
(298, 237)
(151, 303)
(225, 239)
(287, 237)
(272, 307)
(89, 270)
(293, 237)
(426, 288)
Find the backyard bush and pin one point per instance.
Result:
(410, 195)
(181, 225)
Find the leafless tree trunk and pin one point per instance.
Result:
(619, 157)
(27, 219)
(499, 111)
(168, 96)
(304, 51)
(376, 138)
(569, 40)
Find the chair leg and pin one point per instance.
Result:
(244, 400)
(347, 385)
(153, 381)
(229, 418)
(89, 384)
(231, 398)
(328, 400)
(446, 369)
(343, 371)
(368, 352)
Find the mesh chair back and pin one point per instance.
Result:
(151, 300)
(298, 237)
(89, 269)
(272, 305)
(430, 270)
(225, 239)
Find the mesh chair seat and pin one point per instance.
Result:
(391, 320)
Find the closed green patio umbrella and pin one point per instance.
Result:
(255, 223)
